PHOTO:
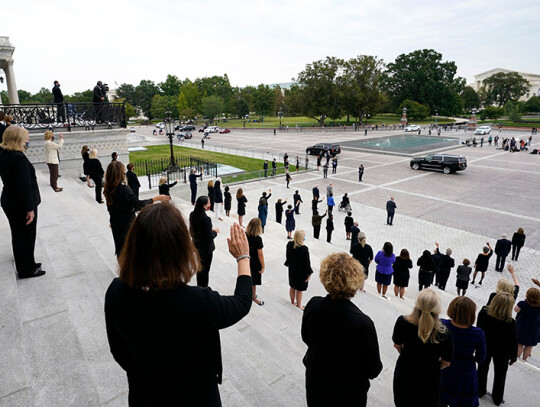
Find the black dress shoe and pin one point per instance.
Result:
(36, 273)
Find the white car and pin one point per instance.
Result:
(160, 125)
(212, 129)
(412, 127)
(482, 130)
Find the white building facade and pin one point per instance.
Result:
(533, 78)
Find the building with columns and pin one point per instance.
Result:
(533, 78)
(6, 64)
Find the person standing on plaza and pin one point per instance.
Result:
(496, 140)
(329, 228)
(254, 230)
(314, 204)
(290, 223)
(218, 199)
(210, 187)
(490, 140)
(203, 235)
(360, 172)
(518, 241)
(265, 167)
(528, 322)
(297, 198)
(329, 189)
(445, 266)
(331, 203)
(58, 100)
(98, 100)
(132, 180)
(274, 166)
(316, 193)
(297, 164)
(227, 198)
(402, 274)
(86, 156)
(20, 200)
(426, 269)
(241, 209)
(95, 172)
(459, 381)
(463, 276)
(193, 184)
(349, 222)
(51, 158)
(164, 188)
(482, 262)
(325, 171)
(287, 177)
(316, 221)
(319, 158)
(279, 210)
(390, 211)
(122, 203)
(385, 258)
(297, 260)
(343, 349)
(362, 252)
(262, 209)
(286, 161)
(355, 231)
(502, 249)
(501, 344)
(202, 143)
(425, 348)
(334, 165)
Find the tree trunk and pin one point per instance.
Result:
(321, 121)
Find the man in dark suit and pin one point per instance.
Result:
(193, 184)
(360, 173)
(274, 165)
(265, 166)
(132, 180)
(98, 98)
(2, 125)
(390, 211)
(297, 198)
(355, 231)
(59, 102)
(502, 248)
(316, 192)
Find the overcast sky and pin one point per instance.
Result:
(256, 41)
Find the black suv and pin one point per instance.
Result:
(185, 127)
(448, 163)
(317, 149)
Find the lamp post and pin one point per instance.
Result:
(436, 117)
(168, 122)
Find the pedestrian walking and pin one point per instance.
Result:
(390, 211)
(360, 173)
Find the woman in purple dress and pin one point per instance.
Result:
(385, 258)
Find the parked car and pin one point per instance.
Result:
(212, 129)
(224, 131)
(446, 163)
(185, 127)
(316, 149)
(202, 129)
(160, 125)
(132, 129)
(482, 130)
(184, 135)
(412, 127)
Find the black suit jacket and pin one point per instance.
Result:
(21, 191)
(2, 130)
(296, 198)
(202, 233)
(502, 247)
(168, 341)
(316, 192)
(94, 169)
(390, 206)
(133, 181)
(57, 95)
(97, 94)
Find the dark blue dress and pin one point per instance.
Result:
(459, 381)
(290, 223)
(528, 324)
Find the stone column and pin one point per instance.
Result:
(404, 117)
(471, 124)
(11, 84)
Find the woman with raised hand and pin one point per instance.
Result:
(163, 332)
(426, 270)
(297, 260)
(51, 158)
(343, 351)
(528, 322)
(242, 200)
(425, 348)
(256, 263)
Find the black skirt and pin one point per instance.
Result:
(297, 280)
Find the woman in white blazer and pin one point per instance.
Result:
(51, 157)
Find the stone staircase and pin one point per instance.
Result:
(53, 339)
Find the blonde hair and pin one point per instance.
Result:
(162, 180)
(299, 238)
(425, 315)
(341, 275)
(504, 286)
(254, 227)
(210, 183)
(362, 239)
(501, 306)
(92, 153)
(48, 135)
(14, 139)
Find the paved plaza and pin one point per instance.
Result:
(53, 341)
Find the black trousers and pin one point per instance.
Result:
(53, 175)
(443, 278)
(329, 236)
(206, 263)
(23, 240)
(279, 215)
(60, 112)
(297, 210)
(390, 218)
(515, 252)
(500, 366)
(98, 187)
(316, 231)
(330, 209)
(499, 263)
(193, 194)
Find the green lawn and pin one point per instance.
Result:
(507, 123)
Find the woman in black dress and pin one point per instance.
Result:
(501, 343)
(425, 273)
(95, 172)
(122, 204)
(227, 201)
(349, 222)
(362, 252)
(20, 200)
(86, 156)
(164, 188)
(203, 235)
(343, 351)
(425, 347)
(518, 241)
(256, 262)
(242, 200)
(210, 186)
(162, 331)
(279, 210)
(297, 260)
(401, 272)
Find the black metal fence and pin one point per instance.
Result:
(87, 116)
(155, 169)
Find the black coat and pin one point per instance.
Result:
(164, 189)
(391, 206)
(202, 233)
(218, 195)
(57, 94)
(21, 191)
(343, 352)
(97, 94)
(296, 198)
(168, 341)
(446, 262)
(518, 239)
(502, 247)
(133, 181)
(316, 192)
(94, 169)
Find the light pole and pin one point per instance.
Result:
(168, 122)
(436, 117)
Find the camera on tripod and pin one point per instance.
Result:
(105, 87)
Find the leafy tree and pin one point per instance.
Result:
(360, 86)
(215, 85)
(491, 112)
(533, 105)
(319, 90)
(189, 98)
(264, 100)
(130, 110)
(415, 110)
(423, 76)
(127, 92)
(24, 96)
(470, 98)
(80, 97)
(160, 105)
(242, 107)
(171, 86)
(212, 106)
(4, 97)
(502, 87)
(143, 96)
(279, 99)
(187, 113)
(508, 107)
(247, 94)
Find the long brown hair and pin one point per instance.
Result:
(114, 176)
(158, 253)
